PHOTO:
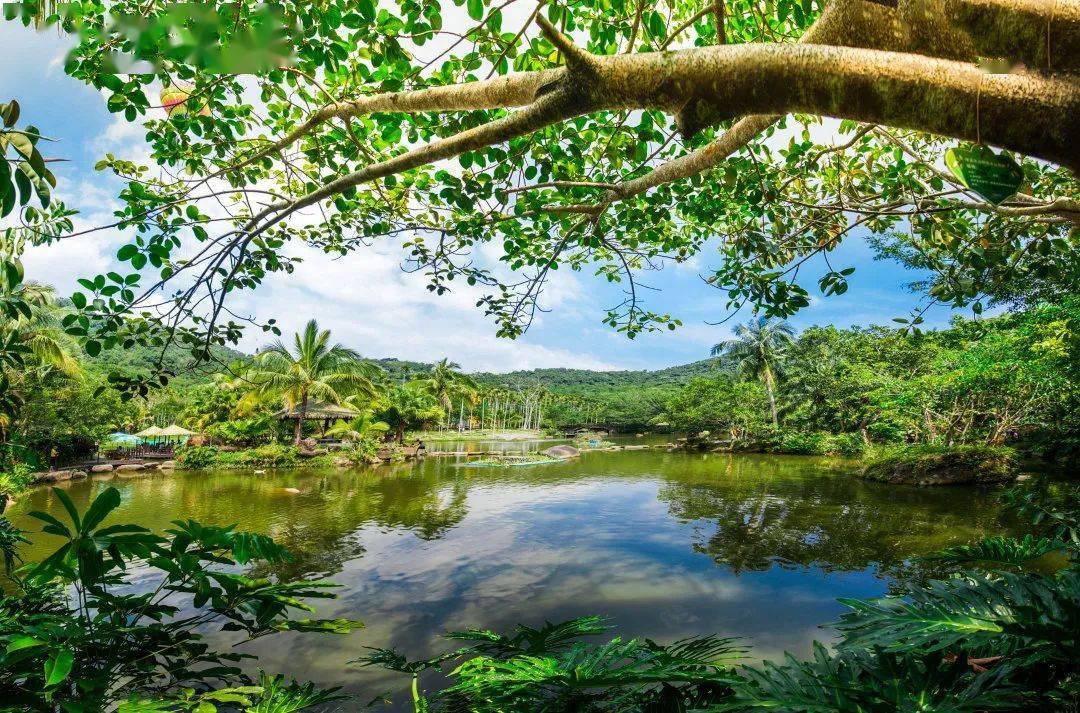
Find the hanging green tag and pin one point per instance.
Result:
(995, 177)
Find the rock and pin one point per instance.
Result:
(962, 465)
(6, 499)
(130, 467)
(101, 468)
(56, 476)
(342, 462)
(168, 465)
(311, 452)
(562, 451)
(291, 490)
(308, 444)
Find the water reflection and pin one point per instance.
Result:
(668, 545)
(757, 511)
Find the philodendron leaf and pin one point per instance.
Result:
(58, 667)
(996, 177)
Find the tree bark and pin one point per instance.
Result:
(770, 389)
(300, 420)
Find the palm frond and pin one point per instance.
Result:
(861, 681)
(985, 612)
(1006, 551)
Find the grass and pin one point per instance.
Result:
(941, 465)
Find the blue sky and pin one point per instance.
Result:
(365, 298)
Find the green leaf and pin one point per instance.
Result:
(476, 9)
(58, 667)
(995, 177)
(46, 517)
(72, 511)
(23, 642)
(127, 252)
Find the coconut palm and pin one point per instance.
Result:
(364, 426)
(40, 331)
(312, 370)
(409, 406)
(445, 381)
(757, 351)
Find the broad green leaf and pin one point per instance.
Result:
(58, 667)
(72, 511)
(23, 642)
(103, 504)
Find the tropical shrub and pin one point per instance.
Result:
(553, 669)
(195, 457)
(243, 431)
(14, 480)
(76, 635)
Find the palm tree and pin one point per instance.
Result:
(313, 370)
(757, 351)
(364, 426)
(40, 331)
(445, 381)
(407, 406)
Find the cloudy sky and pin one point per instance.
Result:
(365, 298)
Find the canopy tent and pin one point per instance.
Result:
(151, 432)
(174, 430)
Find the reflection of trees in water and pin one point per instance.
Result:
(761, 513)
(322, 532)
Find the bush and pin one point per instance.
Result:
(815, 443)
(847, 444)
(941, 465)
(14, 480)
(195, 457)
(242, 431)
(271, 455)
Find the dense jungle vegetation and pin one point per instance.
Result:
(1009, 379)
(496, 143)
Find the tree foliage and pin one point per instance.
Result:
(402, 124)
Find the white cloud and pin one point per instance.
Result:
(375, 307)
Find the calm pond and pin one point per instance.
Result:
(668, 545)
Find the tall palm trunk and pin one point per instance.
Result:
(300, 420)
(769, 389)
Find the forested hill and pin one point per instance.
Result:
(563, 379)
(558, 379)
(140, 359)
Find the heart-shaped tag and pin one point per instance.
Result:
(995, 177)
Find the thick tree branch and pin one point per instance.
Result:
(1043, 33)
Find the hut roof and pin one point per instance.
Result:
(151, 432)
(174, 430)
(318, 412)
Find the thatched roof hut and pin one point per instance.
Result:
(318, 412)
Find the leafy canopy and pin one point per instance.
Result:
(380, 124)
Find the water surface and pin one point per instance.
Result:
(667, 544)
